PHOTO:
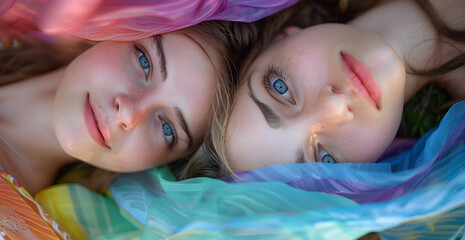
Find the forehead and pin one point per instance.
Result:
(192, 75)
(290, 49)
(313, 38)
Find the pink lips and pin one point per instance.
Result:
(361, 80)
(92, 124)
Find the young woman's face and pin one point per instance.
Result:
(330, 93)
(128, 106)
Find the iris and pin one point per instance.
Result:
(328, 159)
(280, 86)
(167, 129)
(144, 62)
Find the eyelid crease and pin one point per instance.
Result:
(270, 116)
(185, 127)
(161, 56)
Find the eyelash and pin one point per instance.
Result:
(172, 142)
(277, 73)
(141, 52)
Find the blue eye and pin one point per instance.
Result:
(144, 62)
(276, 84)
(168, 132)
(326, 157)
(280, 86)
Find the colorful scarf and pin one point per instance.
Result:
(98, 20)
(417, 194)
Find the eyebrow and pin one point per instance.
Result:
(161, 56)
(184, 126)
(273, 120)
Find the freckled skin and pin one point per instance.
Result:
(328, 112)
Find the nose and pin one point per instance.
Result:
(131, 109)
(335, 108)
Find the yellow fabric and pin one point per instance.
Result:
(58, 202)
(85, 214)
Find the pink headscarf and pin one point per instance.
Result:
(124, 20)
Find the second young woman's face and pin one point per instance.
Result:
(128, 106)
(330, 93)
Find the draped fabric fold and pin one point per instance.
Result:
(419, 193)
(123, 20)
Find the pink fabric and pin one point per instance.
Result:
(125, 20)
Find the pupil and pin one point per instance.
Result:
(280, 86)
(328, 159)
(167, 129)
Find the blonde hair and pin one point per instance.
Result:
(234, 42)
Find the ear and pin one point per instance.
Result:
(287, 31)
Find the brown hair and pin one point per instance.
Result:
(210, 161)
(444, 33)
(25, 61)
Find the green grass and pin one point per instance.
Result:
(424, 111)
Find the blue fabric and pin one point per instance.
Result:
(417, 194)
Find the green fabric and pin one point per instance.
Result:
(85, 214)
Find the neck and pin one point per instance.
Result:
(32, 152)
(407, 28)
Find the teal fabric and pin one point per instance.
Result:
(207, 208)
(419, 194)
(422, 193)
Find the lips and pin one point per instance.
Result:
(361, 80)
(92, 124)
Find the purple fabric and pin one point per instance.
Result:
(397, 146)
(435, 159)
(125, 20)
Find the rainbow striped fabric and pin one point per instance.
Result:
(419, 194)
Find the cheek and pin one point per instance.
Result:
(103, 65)
(366, 144)
(242, 155)
(252, 144)
(238, 148)
(367, 138)
(139, 152)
